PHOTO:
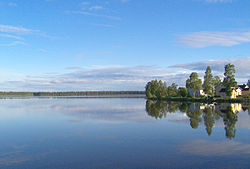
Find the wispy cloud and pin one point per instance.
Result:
(18, 33)
(43, 50)
(84, 3)
(6, 31)
(15, 29)
(205, 39)
(96, 15)
(23, 31)
(74, 68)
(102, 25)
(13, 4)
(14, 43)
(95, 8)
(11, 36)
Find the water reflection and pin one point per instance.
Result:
(199, 112)
(118, 133)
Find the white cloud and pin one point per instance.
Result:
(23, 31)
(14, 43)
(11, 36)
(74, 68)
(84, 3)
(43, 50)
(15, 29)
(205, 39)
(7, 32)
(94, 78)
(95, 8)
(96, 15)
(13, 4)
(241, 65)
(102, 25)
(15, 32)
(122, 77)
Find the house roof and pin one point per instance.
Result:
(243, 87)
(222, 90)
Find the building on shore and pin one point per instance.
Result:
(240, 90)
(221, 92)
(196, 92)
(244, 89)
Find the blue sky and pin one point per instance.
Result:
(48, 45)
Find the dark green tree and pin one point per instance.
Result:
(162, 90)
(172, 90)
(193, 82)
(156, 89)
(152, 88)
(208, 82)
(217, 82)
(182, 92)
(148, 87)
(229, 80)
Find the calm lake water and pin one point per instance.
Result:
(122, 133)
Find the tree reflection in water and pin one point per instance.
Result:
(198, 111)
(230, 120)
(209, 119)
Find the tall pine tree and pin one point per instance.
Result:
(208, 82)
(229, 80)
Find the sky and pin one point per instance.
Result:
(65, 45)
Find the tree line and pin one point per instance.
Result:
(159, 89)
(73, 93)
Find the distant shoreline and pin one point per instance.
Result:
(73, 94)
(113, 94)
(73, 97)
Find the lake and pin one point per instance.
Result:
(122, 133)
